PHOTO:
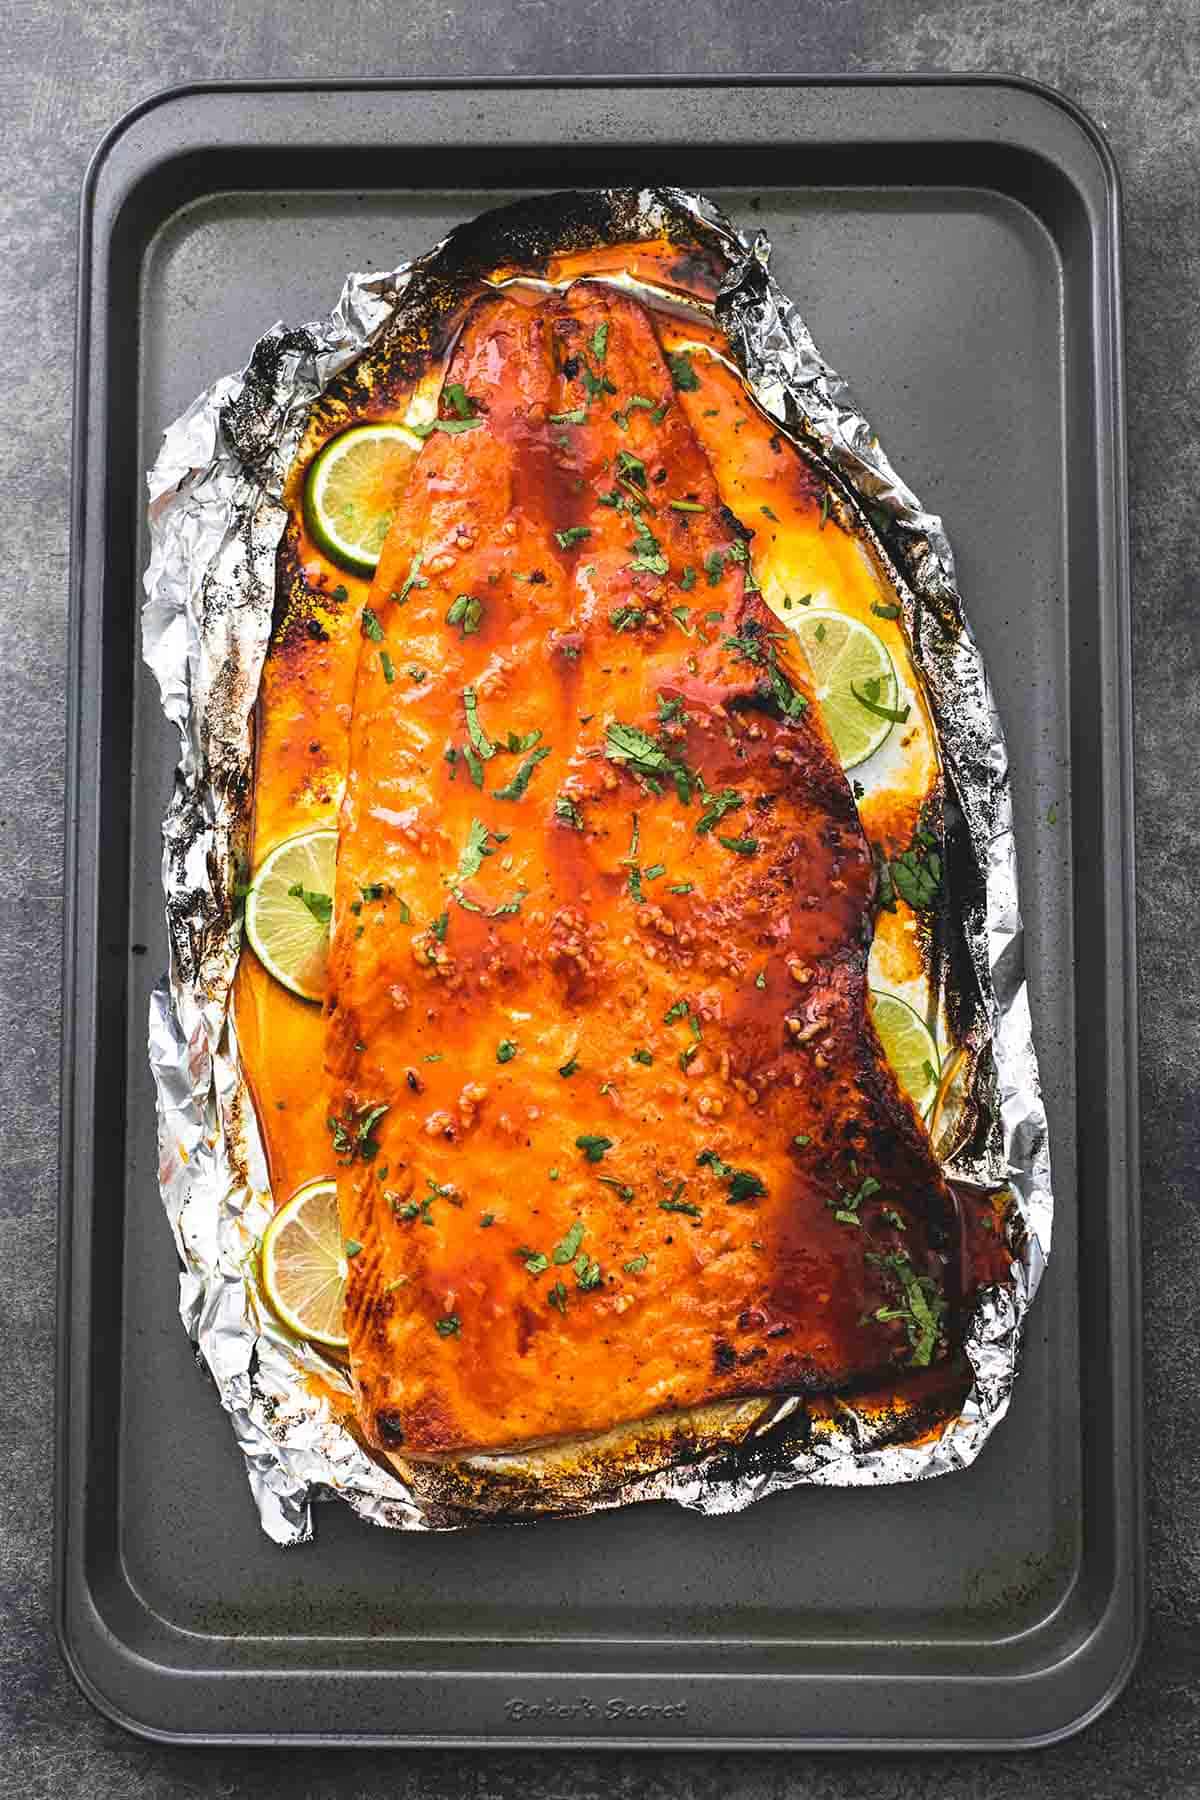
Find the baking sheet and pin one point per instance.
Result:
(935, 1575)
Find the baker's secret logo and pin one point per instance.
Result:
(583, 1709)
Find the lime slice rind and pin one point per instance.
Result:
(304, 1265)
(909, 1048)
(350, 493)
(291, 944)
(844, 654)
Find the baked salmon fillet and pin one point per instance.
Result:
(615, 1133)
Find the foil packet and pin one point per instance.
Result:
(216, 520)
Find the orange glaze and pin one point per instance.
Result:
(302, 744)
(460, 992)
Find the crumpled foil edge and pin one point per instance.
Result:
(216, 517)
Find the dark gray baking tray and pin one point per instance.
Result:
(953, 244)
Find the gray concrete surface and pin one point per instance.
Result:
(67, 69)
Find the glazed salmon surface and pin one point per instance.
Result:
(615, 1134)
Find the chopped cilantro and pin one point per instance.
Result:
(458, 398)
(924, 1309)
(871, 701)
(634, 749)
(566, 810)
(449, 426)
(569, 1068)
(319, 905)
(467, 613)
(636, 1264)
(682, 372)
(388, 667)
(744, 1185)
(568, 1247)
(587, 1273)
(593, 1148)
(600, 341)
(642, 1056)
(474, 850)
(480, 740)
(576, 416)
(371, 628)
(506, 1049)
(687, 579)
(449, 1325)
(412, 579)
(515, 789)
(557, 1297)
(885, 609)
(743, 846)
(574, 534)
(715, 808)
(355, 1135)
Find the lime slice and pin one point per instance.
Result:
(352, 489)
(845, 654)
(287, 918)
(304, 1265)
(908, 1047)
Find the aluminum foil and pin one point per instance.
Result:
(216, 519)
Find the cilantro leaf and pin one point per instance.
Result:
(450, 426)
(474, 850)
(458, 398)
(566, 1250)
(515, 789)
(319, 905)
(467, 613)
(480, 740)
(898, 715)
(594, 1148)
(715, 808)
(412, 579)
